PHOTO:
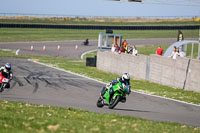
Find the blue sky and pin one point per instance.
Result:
(96, 8)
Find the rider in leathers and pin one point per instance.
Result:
(7, 73)
(125, 80)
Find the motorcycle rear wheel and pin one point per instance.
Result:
(114, 102)
(100, 103)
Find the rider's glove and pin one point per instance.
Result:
(108, 85)
(11, 76)
(113, 82)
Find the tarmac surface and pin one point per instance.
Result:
(68, 48)
(38, 84)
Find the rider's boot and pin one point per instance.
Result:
(7, 86)
(123, 100)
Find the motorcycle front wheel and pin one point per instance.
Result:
(1, 87)
(114, 102)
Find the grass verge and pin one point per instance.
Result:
(20, 117)
(86, 22)
(36, 34)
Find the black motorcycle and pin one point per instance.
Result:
(85, 42)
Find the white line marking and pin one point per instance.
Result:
(17, 52)
(6, 49)
(197, 105)
(87, 53)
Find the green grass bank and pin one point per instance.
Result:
(37, 34)
(17, 117)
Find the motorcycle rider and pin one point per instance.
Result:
(86, 41)
(125, 80)
(7, 73)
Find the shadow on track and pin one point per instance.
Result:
(130, 110)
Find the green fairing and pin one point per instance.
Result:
(118, 90)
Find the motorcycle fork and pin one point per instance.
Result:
(4, 85)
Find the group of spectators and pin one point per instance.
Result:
(125, 48)
(176, 52)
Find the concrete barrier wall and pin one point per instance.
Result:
(167, 71)
(181, 73)
(121, 63)
(193, 78)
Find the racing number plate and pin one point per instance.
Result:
(5, 80)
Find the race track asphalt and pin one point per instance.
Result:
(38, 84)
(67, 48)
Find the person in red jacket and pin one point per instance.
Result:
(159, 51)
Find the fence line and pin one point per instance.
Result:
(99, 27)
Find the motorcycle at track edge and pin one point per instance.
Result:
(3, 82)
(119, 95)
(85, 42)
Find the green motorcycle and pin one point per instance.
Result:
(113, 95)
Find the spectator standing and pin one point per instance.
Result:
(180, 36)
(113, 49)
(121, 50)
(130, 50)
(116, 48)
(181, 53)
(174, 53)
(124, 43)
(126, 48)
(159, 51)
(135, 51)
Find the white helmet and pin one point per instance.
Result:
(126, 77)
(8, 66)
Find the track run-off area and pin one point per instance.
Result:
(37, 83)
